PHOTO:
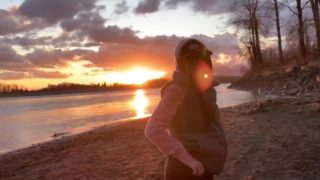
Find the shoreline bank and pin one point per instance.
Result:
(294, 81)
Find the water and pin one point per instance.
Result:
(28, 120)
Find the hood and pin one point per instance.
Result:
(182, 50)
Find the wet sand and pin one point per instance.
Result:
(277, 139)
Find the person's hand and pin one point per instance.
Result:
(197, 167)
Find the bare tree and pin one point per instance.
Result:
(316, 18)
(255, 29)
(301, 31)
(276, 9)
(247, 19)
(307, 24)
(298, 11)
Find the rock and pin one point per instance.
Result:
(255, 171)
(292, 92)
(310, 87)
(304, 68)
(259, 107)
(249, 177)
(315, 107)
(56, 135)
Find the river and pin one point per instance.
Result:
(28, 120)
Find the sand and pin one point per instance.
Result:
(278, 139)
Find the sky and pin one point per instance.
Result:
(92, 41)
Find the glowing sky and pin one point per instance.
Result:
(48, 42)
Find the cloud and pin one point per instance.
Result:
(113, 34)
(211, 6)
(27, 41)
(80, 18)
(174, 3)
(48, 74)
(83, 20)
(14, 66)
(154, 52)
(121, 8)
(32, 73)
(54, 11)
(201, 6)
(158, 53)
(226, 43)
(37, 14)
(65, 40)
(84, 26)
(53, 58)
(13, 75)
(12, 23)
(92, 25)
(147, 6)
(10, 60)
(151, 51)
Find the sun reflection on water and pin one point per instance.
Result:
(140, 103)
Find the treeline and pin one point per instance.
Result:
(11, 88)
(104, 86)
(294, 36)
(8, 90)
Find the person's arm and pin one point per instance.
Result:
(156, 129)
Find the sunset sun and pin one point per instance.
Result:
(134, 76)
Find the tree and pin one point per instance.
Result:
(301, 31)
(306, 33)
(316, 18)
(247, 19)
(276, 9)
(298, 11)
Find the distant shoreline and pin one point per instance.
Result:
(12, 90)
(44, 93)
(70, 88)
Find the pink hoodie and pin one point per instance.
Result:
(157, 126)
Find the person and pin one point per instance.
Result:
(185, 125)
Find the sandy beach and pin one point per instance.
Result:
(273, 139)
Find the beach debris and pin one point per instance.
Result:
(286, 86)
(260, 106)
(314, 107)
(257, 108)
(57, 135)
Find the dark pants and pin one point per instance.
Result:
(176, 170)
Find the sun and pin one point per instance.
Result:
(138, 75)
